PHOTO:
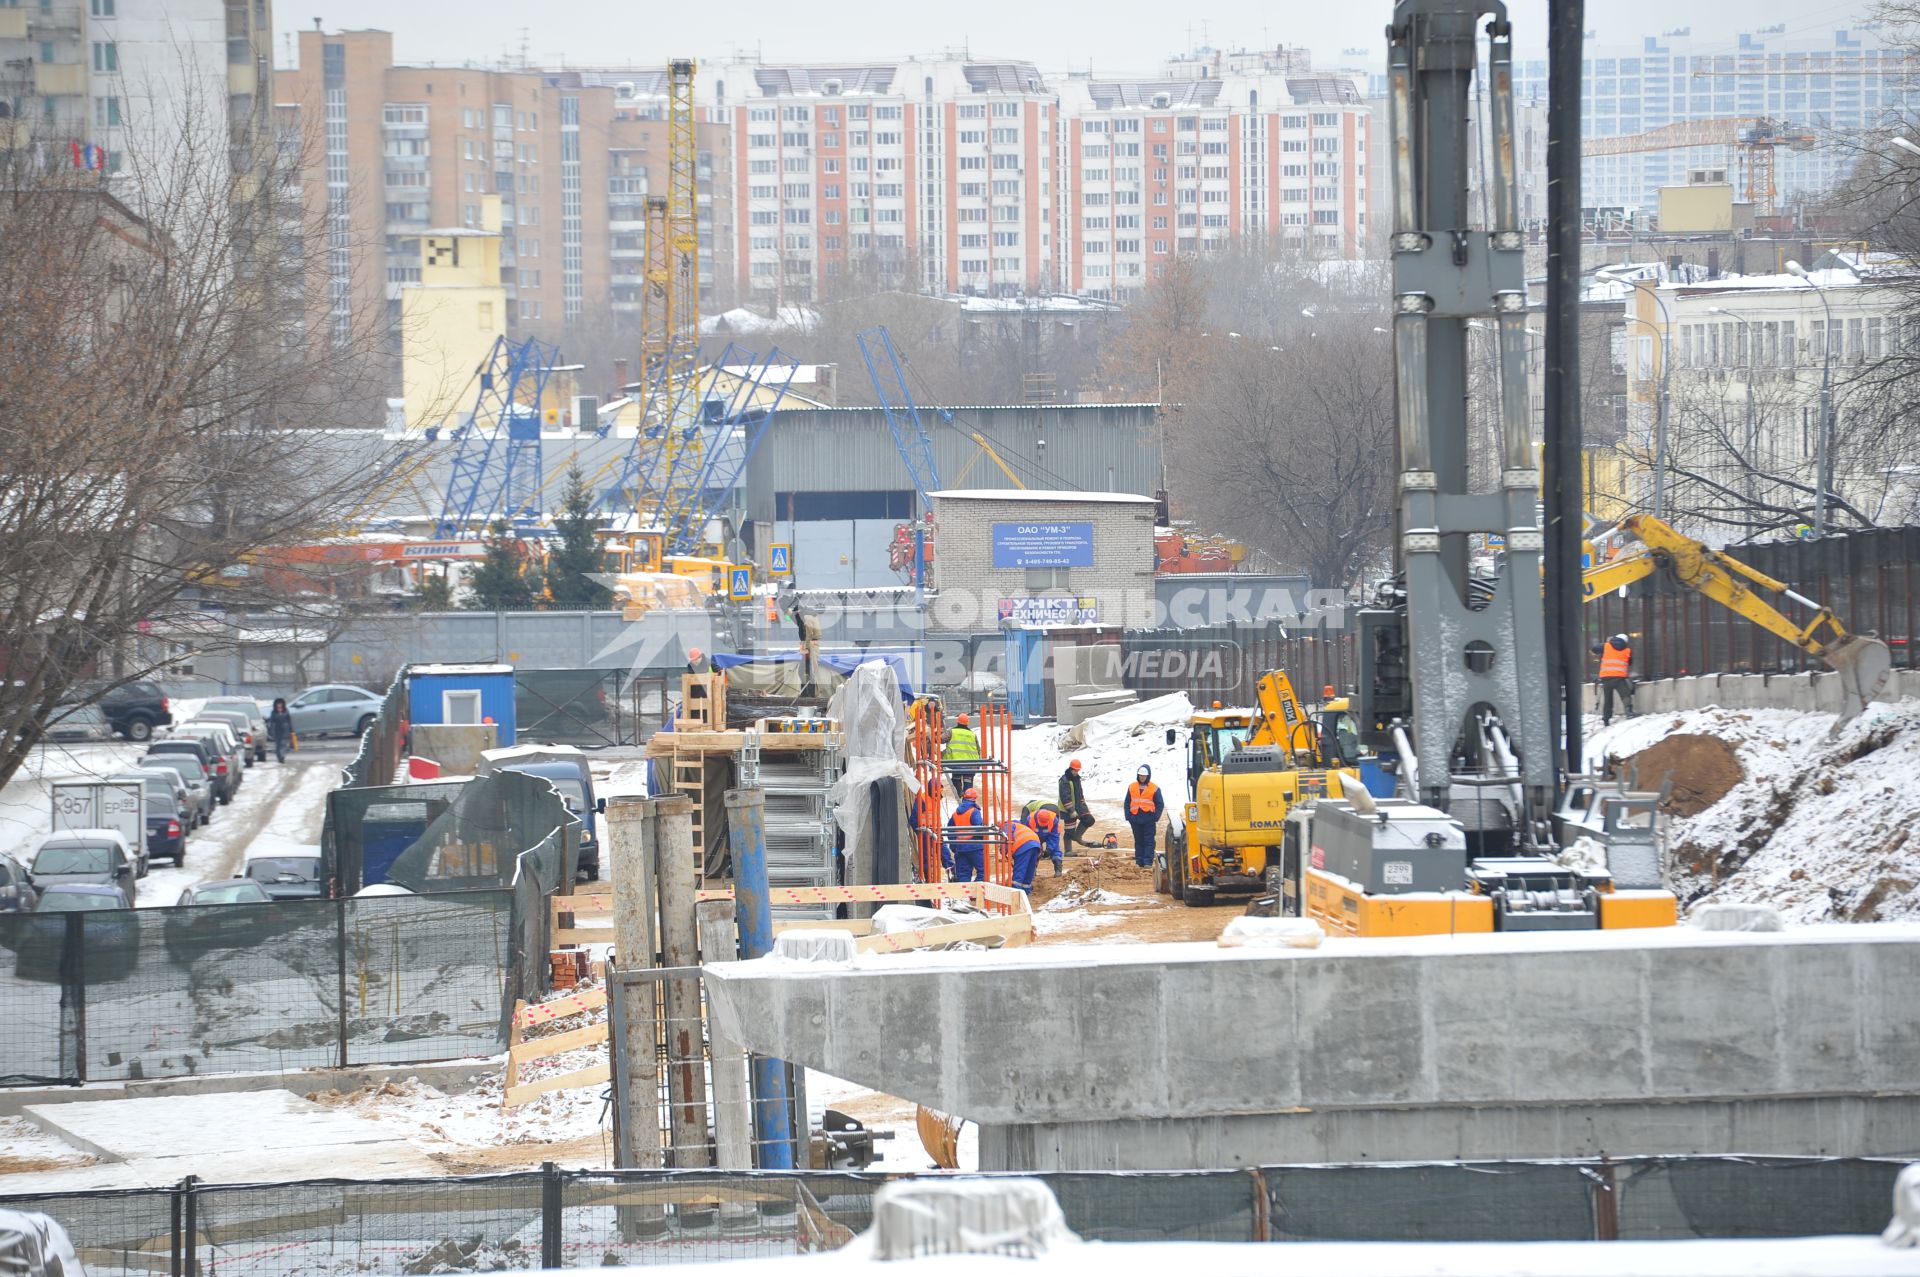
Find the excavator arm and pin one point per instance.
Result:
(1281, 722)
(1863, 663)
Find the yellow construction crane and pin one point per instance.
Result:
(1641, 545)
(1755, 138)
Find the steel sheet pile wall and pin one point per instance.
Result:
(381, 745)
(588, 1219)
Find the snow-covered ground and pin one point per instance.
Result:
(1822, 826)
(1111, 749)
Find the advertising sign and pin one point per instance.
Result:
(1043, 545)
(1049, 611)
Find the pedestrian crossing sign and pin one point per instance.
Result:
(740, 587)
(780, 559)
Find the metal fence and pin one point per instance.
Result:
(123, 995)
(378, 759)
(585, 1219)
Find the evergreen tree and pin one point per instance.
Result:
(434, 593)
(576, 555)
(502, 582)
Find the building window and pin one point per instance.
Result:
(106, 55)
(99, 8)
(106, 112)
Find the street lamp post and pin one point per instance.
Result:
(1753, 361)
(1660, 421)
(1823, 449)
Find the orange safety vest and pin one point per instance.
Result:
(1018, 835)
(1140, 798)
(1614, 661)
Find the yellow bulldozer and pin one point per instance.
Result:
(1245, 771)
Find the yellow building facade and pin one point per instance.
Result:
(450, 319)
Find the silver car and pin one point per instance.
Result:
(240, 725)
(220, 737)
(193, 774)
(95, 856)
(79, 723)
(256, 719)
(334, 707)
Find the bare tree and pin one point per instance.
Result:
(1291, 448)
(155, 384)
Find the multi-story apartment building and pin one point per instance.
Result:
(139, 89)
(397, 150)
(1152, 168)
(1833, 79)
(934, 175)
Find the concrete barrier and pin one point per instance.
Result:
(1533, 1045)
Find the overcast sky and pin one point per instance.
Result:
(1114, 36)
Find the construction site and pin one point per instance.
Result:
(1017, 866)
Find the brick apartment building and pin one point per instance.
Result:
(397, 150)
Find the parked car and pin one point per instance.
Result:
(78, 723)
(256, 719)
(98, 856)
(222, 737)
(37, 1246)
(238, 723)
(288, 877)
(334, 707)
(17, 893)
(193, 773)
(220, 777)
(166, 828)
(220, 915)
(184, 804)
(112, 947)
(134, 709)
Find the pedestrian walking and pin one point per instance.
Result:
(965, 855)
(1025, 846)
(962, 747)
(1073, 805)
(280, 728)
(1044, 819)
(1616, 665)
(1145, 806)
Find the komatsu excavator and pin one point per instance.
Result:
(1641, 545)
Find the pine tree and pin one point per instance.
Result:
(434, 593)
(576, 557)
(502, 583)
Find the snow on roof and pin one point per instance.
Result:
(1052, 497)
(459, 669)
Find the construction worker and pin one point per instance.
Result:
(698, 663)
(965, 858)
(1616, 664)
(1025, 846)
(961, 747)
(1073, 805)
(1145, 806)
(1044, 819)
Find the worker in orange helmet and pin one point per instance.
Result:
(1045, 820)
(1025, 846)
(961, 752)
(965, 854)
(1073, 805)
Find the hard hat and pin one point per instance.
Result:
(1327, 691)
(971, 792)
(1043, 819)
(694, 653)
(1074, 765)
(963, 720)
(1216, 704)
(1620, 638)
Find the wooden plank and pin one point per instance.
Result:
(590, 903)
(587, 1193)
(1015, 930)
(859, 926)
(541, 1048)
(564, 1082)
(977, 892)
(582, 935)
(558, 1008)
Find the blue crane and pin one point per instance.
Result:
(725, 455)
(903, 417)
(496, 460)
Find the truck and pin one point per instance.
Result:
(119, 805)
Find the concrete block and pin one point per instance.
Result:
(1822, 1042)
(1887, 988)
(1904, 685)
(1198, 1004)
(1827, 695)
(1077, 709)
(1715, 1030)
(1360, 1026)
(1579, 1018)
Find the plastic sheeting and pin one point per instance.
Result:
(873, 720)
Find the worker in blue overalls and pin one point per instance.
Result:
(1025, 846)
(966, 858)
(1044, 819)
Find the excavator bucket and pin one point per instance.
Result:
(1864, 665)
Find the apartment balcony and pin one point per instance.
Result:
(13, 24)
(243, 80)
(621, 227)
(53, 78)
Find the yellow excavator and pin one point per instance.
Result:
(1245, 770)
(1640, 545)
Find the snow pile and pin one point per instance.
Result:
(1819, 826)
(1110, 748)
(1078, 896)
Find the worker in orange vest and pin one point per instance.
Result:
(1616, 664)
(966, 853)
(1145, 806)
(1025, 846)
